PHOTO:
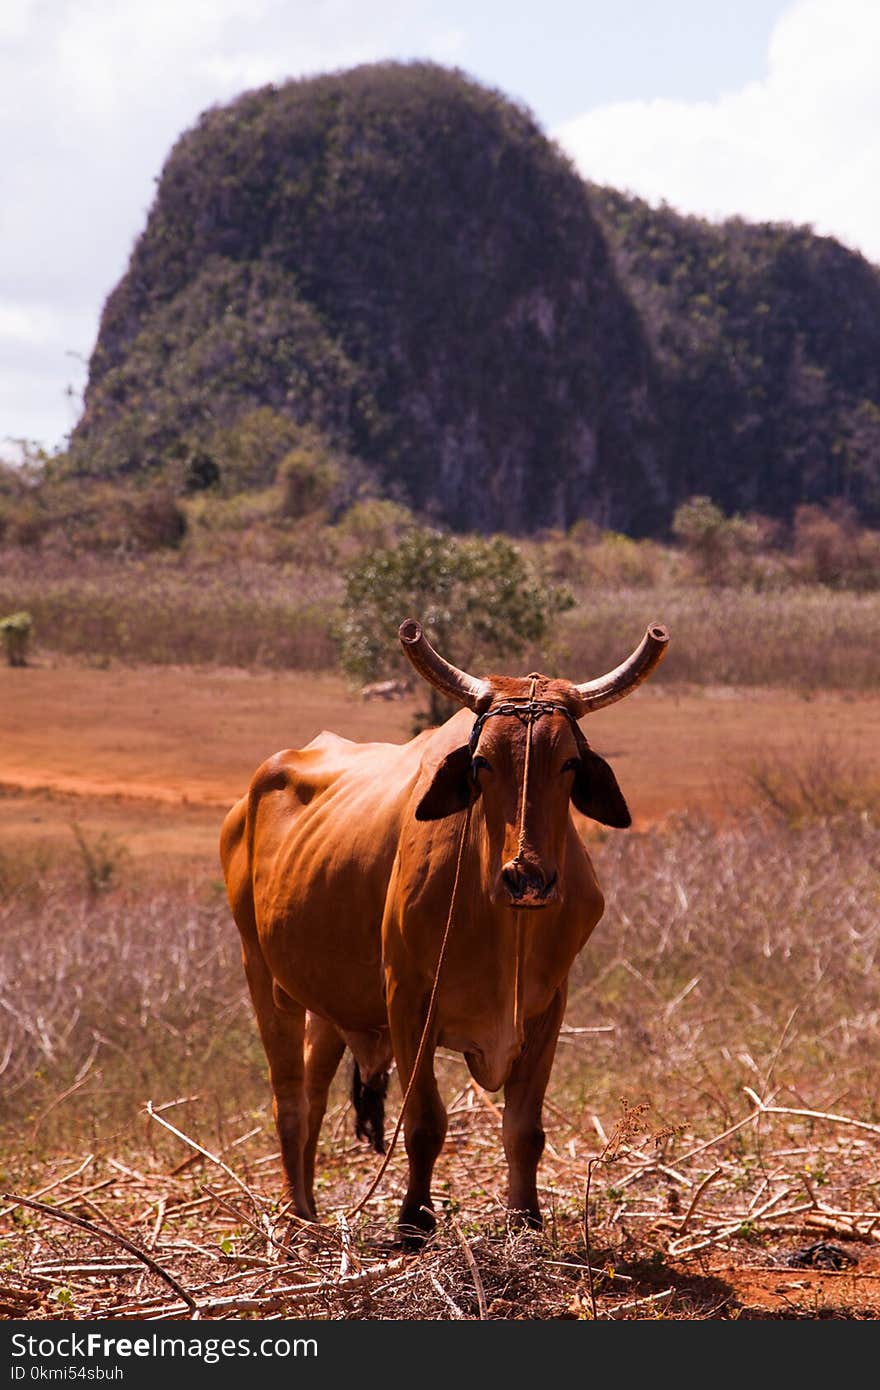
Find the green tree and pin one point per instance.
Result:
(720, 548)
(477, 599)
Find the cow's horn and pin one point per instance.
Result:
(454, 684)
(604, 690)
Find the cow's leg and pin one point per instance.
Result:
(324, 1049)
(424, 1121)
(282, 1025)
(522, 1129)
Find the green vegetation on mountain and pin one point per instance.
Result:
(398, 262)
(766, 340)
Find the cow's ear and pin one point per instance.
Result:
(453, 787)
(596, 794)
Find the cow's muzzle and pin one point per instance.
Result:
(526, 886)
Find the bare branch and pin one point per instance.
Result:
(111, 1236)
(472, 1266)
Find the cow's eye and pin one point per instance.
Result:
(480, 762)
(572, 765)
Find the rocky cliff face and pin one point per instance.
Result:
(400, 257)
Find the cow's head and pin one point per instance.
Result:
(527, 758)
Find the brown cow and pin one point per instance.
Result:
(340, 864)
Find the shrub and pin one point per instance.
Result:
(831, 548)
(376, 523)
(617, 559)
(157, 521)
(102, 859)
(478, 598)
(719, 547)
(250, 451)
(308, 477)
(201, 472)
(16, 631)
(588, 555)
(813, 784)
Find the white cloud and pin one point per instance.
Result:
(447, 45)
(93, 94)
(801, 145)
(15, 15)
(24, 326)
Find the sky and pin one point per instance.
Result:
(768, 109)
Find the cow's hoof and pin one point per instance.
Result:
(529, 1220)
(415, 1226)
(289, 1233)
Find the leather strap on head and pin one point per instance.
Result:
(527, 711)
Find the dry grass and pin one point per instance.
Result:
(241, 610)
(746, 956)
(107, 996)
(805, 638)
(813, 783)
(162, 609)
(732, 988)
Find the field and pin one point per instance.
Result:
(715, 1084)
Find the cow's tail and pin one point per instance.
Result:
(368, 1099)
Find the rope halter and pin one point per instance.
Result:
(528, 711)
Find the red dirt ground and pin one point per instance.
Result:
(156, 755)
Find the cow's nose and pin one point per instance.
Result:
(526, 882)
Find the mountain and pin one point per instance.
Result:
(766, 344)
(399, 258)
